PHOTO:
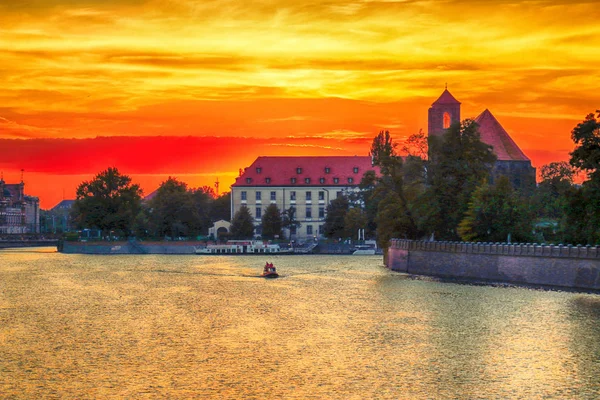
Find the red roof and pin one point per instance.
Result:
(446, 98)
(494, 134)
(295, 171)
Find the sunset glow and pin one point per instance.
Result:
(199, 89)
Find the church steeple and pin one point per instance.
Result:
(443, 112)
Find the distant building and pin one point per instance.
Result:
(57, 219)
(307, 184)
(19, 213)
(511, 161)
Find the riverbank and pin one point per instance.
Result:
(571, 267)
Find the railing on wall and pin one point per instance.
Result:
(520, 249)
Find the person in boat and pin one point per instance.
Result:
(267, 265)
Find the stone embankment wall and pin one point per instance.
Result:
(534, 264)
(128, 247)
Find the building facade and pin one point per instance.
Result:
(511, 161)
(19, 213)
(306, 184)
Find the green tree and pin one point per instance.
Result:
(354, 220)
(271, 222)
(334, 221)
(221, 208)
(173, 212)
(289, 220)
(242, 225)
(109, 202)
(549, 198)
(581, 223)
(458, 163)
(494, 213)
(394, 183)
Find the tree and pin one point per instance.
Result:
(494, 213)
(416, 145)
(354, 220)
(289, 220)
(242, 224)
(271, 222)
(549, 198)
(458, 163)
(586, 155)
(394, 183)
(109, 202)
(221, 208)
(334, 221)
(581, 223)
(172, 210)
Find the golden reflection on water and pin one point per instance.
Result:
(152, 326)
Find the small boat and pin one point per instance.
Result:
(269, 271)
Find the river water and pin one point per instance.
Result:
(331, 327)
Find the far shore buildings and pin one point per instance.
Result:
(307, 184)
(19, 213)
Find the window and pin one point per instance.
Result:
(308, 212)
(293, 230)
(309, 229)
(258, 213)
(327, 170)
(321, 180)
(258, 170)
(293, 180)
(446, 120)
(258, 196)
(244, 194)
(308, 196)
(336, 180)
(298, 170)
(293, 196)
(321, 195)
(339, 194)
(355, 170)
(273, 196)
(350, 180)
(248, 180)
(268, 180)
(306, 180)
(321, 212)
(320, 229)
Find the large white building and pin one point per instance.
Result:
(307, 184)
(19, 213)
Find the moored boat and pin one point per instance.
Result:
(241, 247)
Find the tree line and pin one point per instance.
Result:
(445, 192)
(113, 204)
(440, 190)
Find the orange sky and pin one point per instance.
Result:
(197, 89)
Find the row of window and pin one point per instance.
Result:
(258, 195)
(293, 180)
(299, 170)
(258, 212)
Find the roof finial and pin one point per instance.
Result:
(22, 171)
(446, 85)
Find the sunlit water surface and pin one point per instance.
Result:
(78, 326)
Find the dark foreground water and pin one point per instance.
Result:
(75, 326)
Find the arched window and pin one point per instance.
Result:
(446, 120)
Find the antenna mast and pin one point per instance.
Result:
(217, 186)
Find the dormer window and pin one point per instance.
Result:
(298, 170)
(350, 180)
(327, 170)
(293, 180)
(306, 180)
(355, 170)
(321, 180)
(258, 170)
(248, 180)
(268, 180)
(336, 180)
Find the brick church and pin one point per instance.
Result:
(511, 161)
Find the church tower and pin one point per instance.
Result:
(443, 112)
